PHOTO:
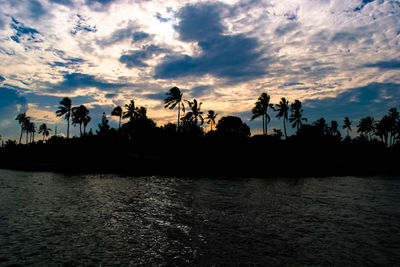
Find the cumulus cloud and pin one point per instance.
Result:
(82, 25)
(136, 58)
(225, 56)
(23, 33)
(73, 81)
(385, 65)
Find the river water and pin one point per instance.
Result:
(104, 220)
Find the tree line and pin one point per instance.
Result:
(190, 118)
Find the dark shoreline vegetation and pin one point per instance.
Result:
(139, 147)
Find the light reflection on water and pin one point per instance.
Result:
(54, 219)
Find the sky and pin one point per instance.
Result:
(340, 58)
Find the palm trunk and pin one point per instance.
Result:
(179, 114)
(43, 137)
(26, 140)
(284, 127)
(33, 137)
(80, 129)
(263, 125)
(20, 137)
(119, 125)
(266, 125)
(68, 128)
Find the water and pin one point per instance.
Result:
(105, 220)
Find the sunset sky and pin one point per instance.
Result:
(340, 58)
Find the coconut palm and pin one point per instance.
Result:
(22, 118)
(117, 111)
(282, 108)
(78, 116)
(65, 110)
(394, 117)
(333, 129)
(174, 98)
(31, 129)
(195, 114)
(347, 125)
(261, 109)
(211, 115)
(366, 126)
(44, 130)
(86, 121)
(131, 111)
(296, 116)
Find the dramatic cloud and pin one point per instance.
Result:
(75, 81)
(391, 64)
(23, 33)
(374, 99)
(225, 56)
(136, 58)
(82, 25)
(340, 58)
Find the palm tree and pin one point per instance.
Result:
(65, 110)
(78, 116)
(117, 111)
(333, 129)
(31, 128)
(44, 130)
(21, 118)
(261, 109)
(86, 121)
(347, 125)
(366, 126)
(394, 117)
(131, 111)
(173, 99)
(211, 115)
(195, 114)
(296, 116)
(282, 108)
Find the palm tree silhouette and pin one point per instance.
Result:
(65, 110)
(282, 108)
(211, 115)
(78, 116)
(296, 116)
(117, 111)
(366, 126)
(333, 129)
(31, 128)
(174, 98)
(195, 114)
(394, 117)
(86, 121)
(131, 111)
(44, 130)
(347, 125)
(261, 109)
(22, 119)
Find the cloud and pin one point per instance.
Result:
(200, 90)
(136, 58)
(99, 5)
(2, 79)
(200, 22)
(138, 36)
(286, 28)
(119, 35)
(36, 9)
(23, 33)
(68, 62)
(11, 103)
(363, 4)
(82, 25)
(390, 64)
(225, 56)
(63, 2)
(73, 81)
(373, 99)
(234, 57)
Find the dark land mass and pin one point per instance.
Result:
(213, 155)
